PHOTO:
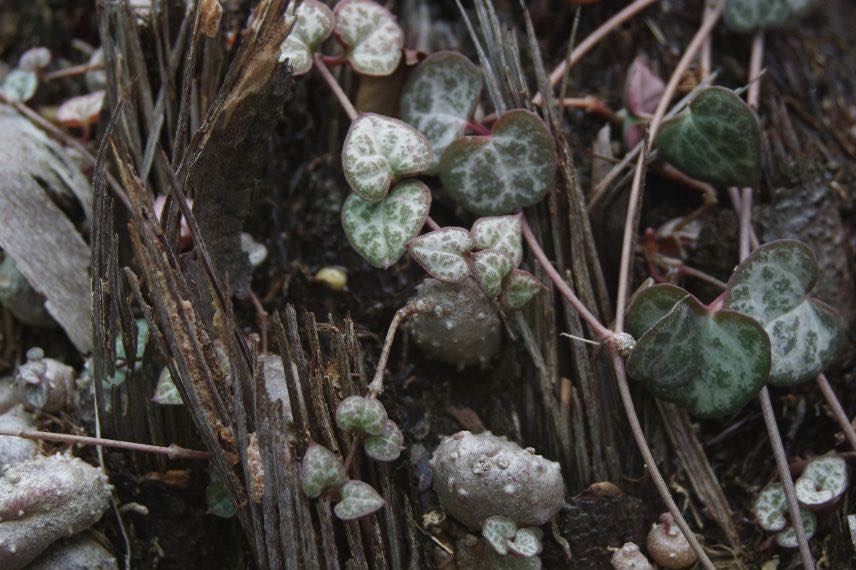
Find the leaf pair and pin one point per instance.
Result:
(448, 255)
(713, 361)
(322, 472)
(368, 32)
(384, 440)
(504, 536)
(770, 510)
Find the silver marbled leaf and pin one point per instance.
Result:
(443, 253)
(359, 499)
(502, 233)
(372, 39)
(491, 266)
(310, 24)
(320, 471)
(364, 414)
(519, 288)
(387, 445)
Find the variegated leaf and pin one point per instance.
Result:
(19, 85)
(770, 507)
(443, 253)
(439, 97)
(378, 151)
(371, 36)
(649, 305)
(498, 174)
(380, 231)
(387, 445)
(491, 266)
(823, 481)
(310, 24)
(716, 139)
(520, 287)
(712, 362)
(788, 537)
(526, 543)
(166, 393)
(748, 16)
(320, 471)
(772, 286)
(502, 233)
(359, 499)
(498, 531)
(365, 414)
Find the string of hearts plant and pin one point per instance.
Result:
(711, 358)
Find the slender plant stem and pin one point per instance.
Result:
(592, 40)
(72, 71)
(335, 87)
(401, 315)
(651, 464)
(603, 333)
(785, 477)
(173, 451)
(837, 410)
(633, 210)
(429, 221)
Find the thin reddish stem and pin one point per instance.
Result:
(432, 224)
(478, 129)
(335, 87)
(173, 451)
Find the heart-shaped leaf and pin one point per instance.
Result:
(166, 393)
(711, 362)
(371, 37)
(502, 233)
(378, 151)
(19, 85)
(520, 287)
(320, 471)
(747, 16)
(716, 139)
(387, 445)
(310, 24)
(649, 305)
(823, 481)
(643, 88)
(498, 531)
(498, 174)
(443, 253)
(359, 499)
(788, 537)
(439, 97)
(526, 543)
(491, 266)
(365, 414)
(772, 286)
(770, 508)
(380, 231)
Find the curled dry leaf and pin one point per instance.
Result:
(439, 98)
(497, 174)
(311, 23)
(491, 266)
(387, 445)
(772, 286)
(321, 471)
(716, 139)
(378, 151)
(81, 111)
(359, 499)
(364, 414)
(371, 37)
(443, 253)
(498, 531)
(519, 288)
(823, 481)
(380, 231)
(210, 12)
(502, 233)
(643, 88)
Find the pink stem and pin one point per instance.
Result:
(335, 87)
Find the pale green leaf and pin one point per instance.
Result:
(748, 16)
(498, 531)
(372, 39)
(19, 85)
(443, 253)
(378, 151)
(380, 231)
(770, 508)
(387, 445)
(513, 167)
(788, 537)
(359, 499)
(519, 288)
(502, 233)
(365, 414)
(717, 139)
(310, 24)
(166, 393)
(772, 286)
(320, 471)
(491, 266)
(526, 543)
(823, 481)
(439, 97)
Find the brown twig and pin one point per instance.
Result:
(335, 87)
(72, 71)
(414, 306)
(173, 451)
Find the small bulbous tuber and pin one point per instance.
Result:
(464, 327)
(46, 384)
(80, 552)
(478, 476)
(45, 499)
(14, 450)
(629, 557)
(22, 300)
(668, 546)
